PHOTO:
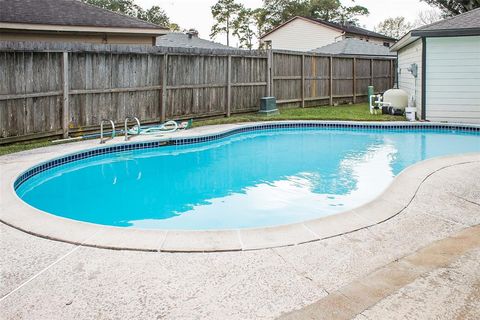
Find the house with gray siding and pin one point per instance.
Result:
(439, 65)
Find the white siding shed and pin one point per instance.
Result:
(453, 79)
(448, 57)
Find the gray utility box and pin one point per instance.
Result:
(268, 106)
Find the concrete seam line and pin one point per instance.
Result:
(446, 220)
(469, 201)
(46, 268)
(459, 237)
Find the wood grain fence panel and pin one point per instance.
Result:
(342, 77)
(115, 81)
(382, 74)
(363, 76)
(316, 76)
(247, 75)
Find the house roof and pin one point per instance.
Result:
(66, 13)
(353, 46)
(467, 20)
(182, 40)
(344, 28)
(465, 24)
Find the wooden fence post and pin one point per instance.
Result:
(163, 108)
(330, 77)
(371, 73)
(303, 81)
(354, 77)
(391, 74)
(229, 85)
(65, 105)
(269, 72)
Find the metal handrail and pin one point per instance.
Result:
(126, 128)
(101, 129)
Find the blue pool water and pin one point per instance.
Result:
(253, 179)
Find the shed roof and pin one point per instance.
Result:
(67, 13)
(353, 46)
(467, 20)
(182, 40)
(465, 24)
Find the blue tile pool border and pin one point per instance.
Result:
(248, 128)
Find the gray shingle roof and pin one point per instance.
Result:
(467, 20)
(66, 13)
(182, 40)
(353, 46)
(352, 29)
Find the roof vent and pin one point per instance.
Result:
(192, 33)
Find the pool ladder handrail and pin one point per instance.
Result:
(101, 129)
(126, 123)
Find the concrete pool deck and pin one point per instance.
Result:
(422, 263)
(433, 246)
(391, 202)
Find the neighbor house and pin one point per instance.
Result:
(189, 39)
(356, 47)
(71, 21)
(439, 65)
(305, 34)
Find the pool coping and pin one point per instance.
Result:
(392, 201)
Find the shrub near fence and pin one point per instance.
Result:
(53, 89)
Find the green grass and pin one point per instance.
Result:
(356, 112)
(21, 146)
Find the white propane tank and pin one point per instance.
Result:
(397, 98)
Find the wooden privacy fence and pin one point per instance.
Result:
(67, 89)
(309, 79)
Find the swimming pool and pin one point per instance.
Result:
(254, 177)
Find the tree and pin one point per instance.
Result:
(427, 17)
(329, 10)
(454, 7)
(224, 12)
(260, 20)
(350, 14)
(128, 7)
(279, 11)
(394, 27)
(243, 27)
(154, 15)
(324, 9)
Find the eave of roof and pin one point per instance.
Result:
(446, 32)
(90, 29)
(352, 29)
(404, 41)
(465, 24)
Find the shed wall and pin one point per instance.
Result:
(406, 81)
(453, 79)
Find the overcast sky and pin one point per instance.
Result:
(196, 13)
